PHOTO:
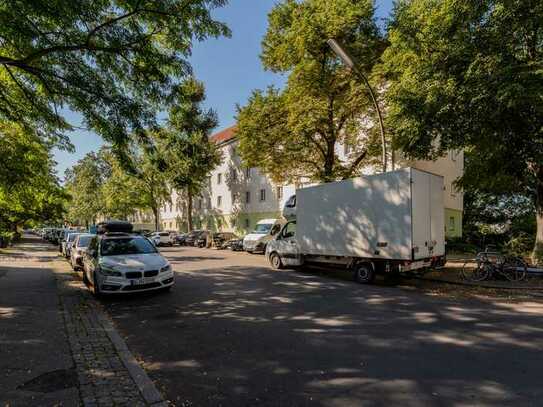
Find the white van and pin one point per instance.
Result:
(265, 230)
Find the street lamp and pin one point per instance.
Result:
(348, 61)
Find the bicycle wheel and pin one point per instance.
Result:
(476, 272)
(514, 269)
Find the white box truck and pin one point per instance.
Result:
(390, 222)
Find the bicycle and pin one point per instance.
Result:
(494, 264)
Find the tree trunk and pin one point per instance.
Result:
(537, 255)
(189, 209)
(155, 214)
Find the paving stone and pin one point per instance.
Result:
(103, 378)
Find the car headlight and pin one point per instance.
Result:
(166, 268)
(110, 272)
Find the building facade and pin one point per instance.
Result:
(236, 198)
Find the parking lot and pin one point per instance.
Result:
(235, 333)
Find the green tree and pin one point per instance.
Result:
(84, 182)
(189, 154)
(121, 191)
(150, 180)
(295, 132)
(113, 61)
(29, 188)
(467, 74)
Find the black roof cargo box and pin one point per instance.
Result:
(114, 226)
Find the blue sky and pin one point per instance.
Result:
(229, 67)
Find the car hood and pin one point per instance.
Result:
(254, 236)
(149, 261)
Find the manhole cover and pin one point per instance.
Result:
(51, 381)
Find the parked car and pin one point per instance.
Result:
(203, 239)
(80, 245)
(235, 245)
(191, 237)
(122, 262)
(161, 238)
(220, 239)
(265, 230)
(180, 239)
(67, 243)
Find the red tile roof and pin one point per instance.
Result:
(224, 135)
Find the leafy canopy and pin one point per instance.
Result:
(295, 132)
(189, 154)
(468, 74)
(114, 61)
(29, 189)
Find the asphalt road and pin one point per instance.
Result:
(235, 333)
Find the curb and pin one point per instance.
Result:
(466, 284)
(145, 385)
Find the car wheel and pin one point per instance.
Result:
(171, 244)
(85, 279)
(275, 261)
(364, 273)
(95, 286)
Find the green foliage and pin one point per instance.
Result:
(187, 151)
(467, 74)
(101, 186)
(84, 183)
(114, 61)
(29, 189)
(295, 132)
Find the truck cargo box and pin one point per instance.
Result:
(398, 215)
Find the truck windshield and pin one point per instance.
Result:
(129, 245)
(263, 228)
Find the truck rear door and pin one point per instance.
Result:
(427, 214)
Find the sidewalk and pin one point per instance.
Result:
(57, 346)
(36, 364)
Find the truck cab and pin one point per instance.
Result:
(283, 249)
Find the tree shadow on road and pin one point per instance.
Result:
(250, 336)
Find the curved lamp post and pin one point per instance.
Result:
(348, 61)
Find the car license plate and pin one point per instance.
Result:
(142, 281)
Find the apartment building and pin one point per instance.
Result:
(236, 198)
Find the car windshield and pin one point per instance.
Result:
(83, 241)
(129, 245)
(263, 228)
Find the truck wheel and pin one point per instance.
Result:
(364, 273)
(275, 261)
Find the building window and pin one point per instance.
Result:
(279, 193)
(200, 203)
(452, 224)
(234, 175)
(247, 197)
(219, 201)
(346, 149)
(247, 224)
(247, 172)
(262, 195)
(171, 208)
(219, 178)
